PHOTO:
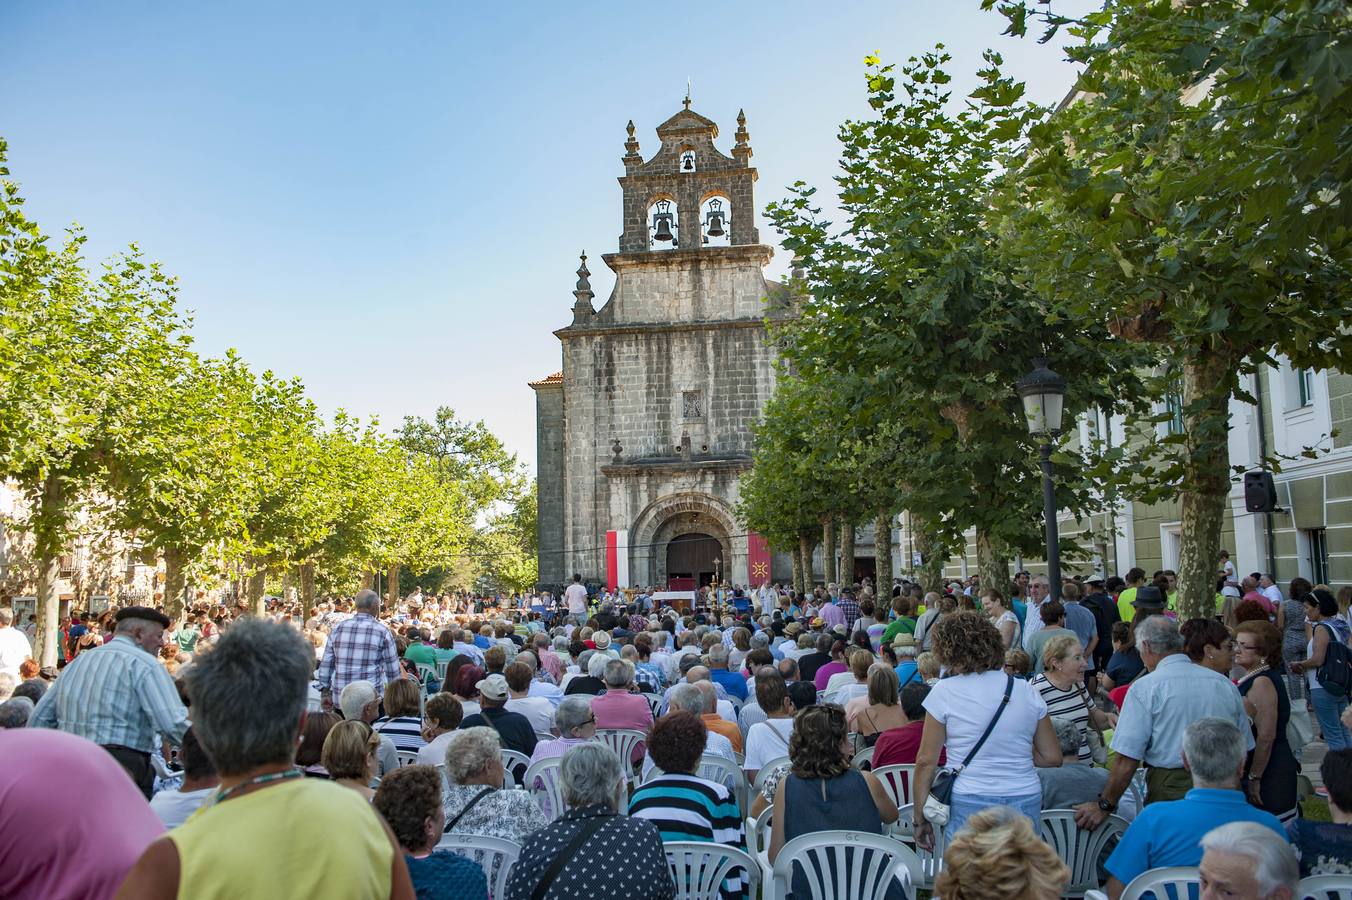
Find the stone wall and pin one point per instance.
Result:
(549, 443)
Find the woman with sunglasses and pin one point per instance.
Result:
(1271, 771)
(822, 792)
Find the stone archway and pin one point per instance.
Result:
(675, 515)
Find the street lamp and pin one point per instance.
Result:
(1043, 393)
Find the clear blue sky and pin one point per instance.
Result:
(388, 200)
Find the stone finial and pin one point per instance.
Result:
(631, 145)
(685, 447)
(582, 305)
(742, 149)
(617, 449)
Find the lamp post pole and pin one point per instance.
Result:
(1049, 514)
(1043, 393)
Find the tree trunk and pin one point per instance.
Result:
(392, 587)
(368, 580)
(50, 522)
(828, 549)
(805, 559)
(797, 570)
(257, 585)
(846, 553)
(882, 557)
(1206, 482)
(992, 564)
(174, 583)
(307, 590)
(930, 573)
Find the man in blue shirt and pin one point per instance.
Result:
(732, 682)
(1170, 833)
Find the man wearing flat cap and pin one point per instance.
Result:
(119, 695)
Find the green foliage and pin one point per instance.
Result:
(1195, 197)
(916, 330)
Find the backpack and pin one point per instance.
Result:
(1335, 672)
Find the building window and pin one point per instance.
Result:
(66, 565)
(1173, 405)
(1305, 387)
(692, 404)
(1319, 555)
(688, 161)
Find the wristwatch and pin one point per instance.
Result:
(1106, 806)
(1253, 777)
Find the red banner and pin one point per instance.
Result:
(757, 560)
(612, 560)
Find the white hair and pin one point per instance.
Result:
(355, 698)
(596, 666)
(1214, 749)
(589, 775)
(1274, 861)
(470, 752)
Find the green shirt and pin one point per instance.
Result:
(898, 626)
(1124, 607)
(187, 638)
(421, 654)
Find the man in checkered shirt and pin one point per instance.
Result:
(849, 607)
(359, 649)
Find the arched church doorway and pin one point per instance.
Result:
(693, 559)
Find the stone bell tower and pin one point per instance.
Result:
(644, 434)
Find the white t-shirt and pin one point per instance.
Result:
(964, 704)
(14, 649)
(766, 741)
(576, 595)
(174, 807)
(539, 710)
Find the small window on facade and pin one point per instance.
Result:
(1173, 404)
(692, 404)
(1305, 386)
(665, 231)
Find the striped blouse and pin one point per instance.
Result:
(405, 732)
(1066, 705)
(686, 808)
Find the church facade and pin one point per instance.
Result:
(645, 433)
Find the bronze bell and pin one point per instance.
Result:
(713, 222)
(688, 162)
(662, 223)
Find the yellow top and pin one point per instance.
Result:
(303, 838)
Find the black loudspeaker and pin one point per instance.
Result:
(1260, 493)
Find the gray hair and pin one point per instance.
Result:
(686, 697)
(15, 711)
(1068, 734)
(561, 642)
(590, 774)
(7, 684)
(470, 752)
(367, 601)
(1214, 749)
(1160, 633)
(709, 693)
(356, 697)
(596, 666)
(584, 658)
(249, 693)
(688, 662)
(718, 654)
(6, 616)
(618, 673)
(1274, 861)
(760, 641)
(574, 711)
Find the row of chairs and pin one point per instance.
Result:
(1184, 881)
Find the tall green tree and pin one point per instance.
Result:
(80, 355)
(919, 320)
(1194, 198)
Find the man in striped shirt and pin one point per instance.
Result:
(119, 696)
(360, 649)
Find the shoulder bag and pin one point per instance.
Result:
(582, 836)
(941, 790)
(450, 826)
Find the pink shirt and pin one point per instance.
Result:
(57, 784)
(1259, 598)
(621, 709)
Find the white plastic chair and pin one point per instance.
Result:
(442, 665)
(407, 757)
(897, 781)
(758, 833)
(426, 673)
(544, 782)
(512, 760)
(495, 856)
(1158, 882)
(764, 772)
(1080, 850)
(654, 703)
(701, 868)
(1325, 887)
(724, 771)
(622, 741)
(931, 861)
(865, 865)
(862, 757)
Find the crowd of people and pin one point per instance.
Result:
(290, 756)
